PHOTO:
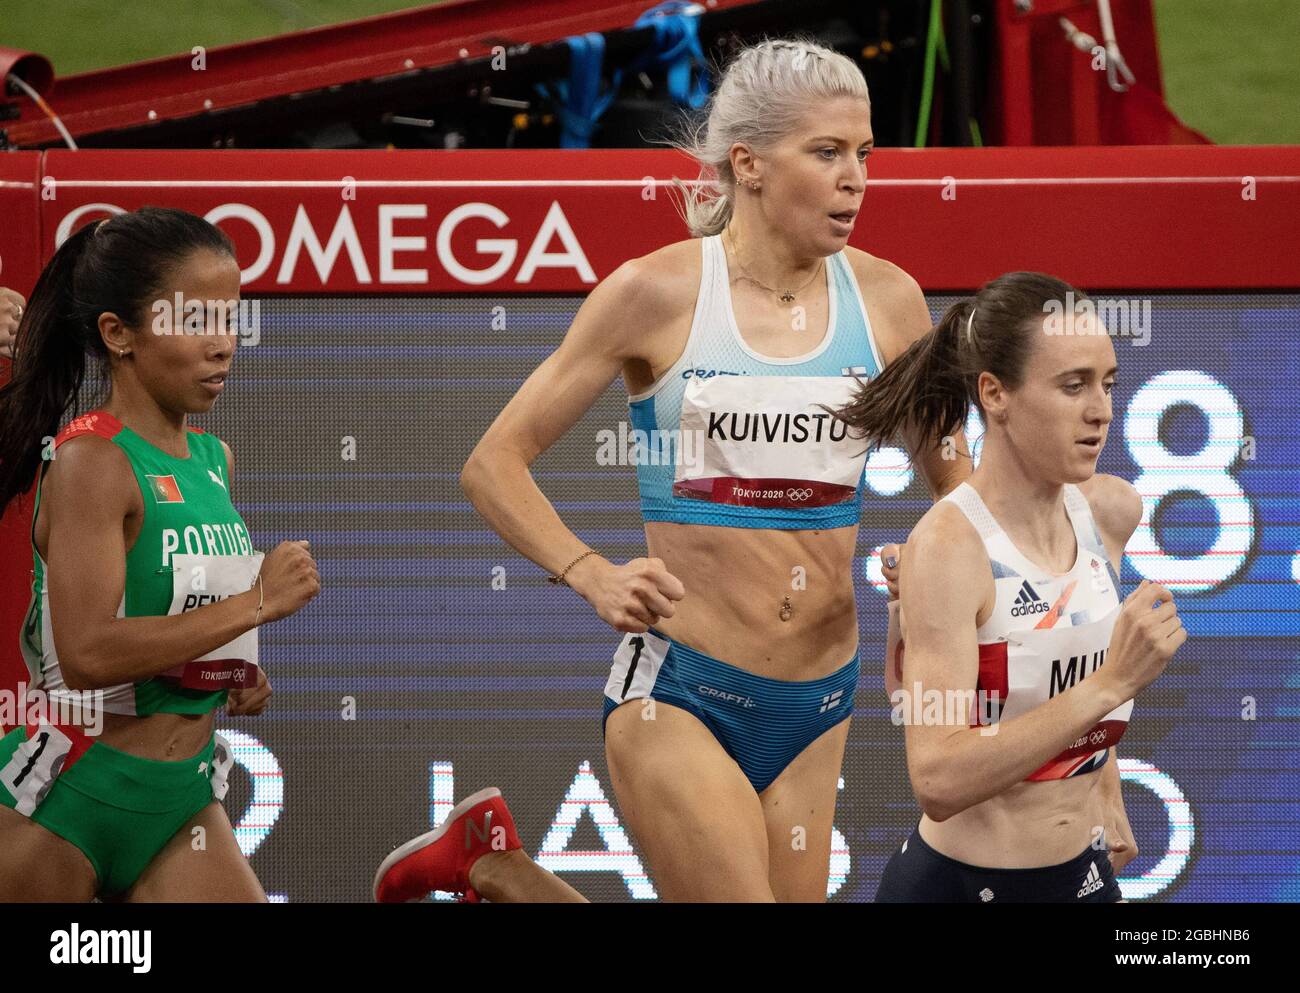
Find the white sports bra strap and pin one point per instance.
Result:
(965, 497)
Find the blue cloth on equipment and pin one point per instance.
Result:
(579, 102)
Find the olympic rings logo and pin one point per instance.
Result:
(1097, 737)
(798, 493)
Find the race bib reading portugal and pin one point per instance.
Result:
(765, 441)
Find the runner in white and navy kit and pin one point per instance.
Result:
(1011, 607)
(726, 709)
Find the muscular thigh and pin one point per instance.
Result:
(199, 866)
(798, 811)
(37, 866)
(691, 809)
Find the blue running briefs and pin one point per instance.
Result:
(762, 723)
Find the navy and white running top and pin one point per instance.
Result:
(1046, 632)
(730, 437)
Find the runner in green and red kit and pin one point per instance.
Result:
(147, 591)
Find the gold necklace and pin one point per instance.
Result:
(787, 296)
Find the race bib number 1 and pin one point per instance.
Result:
(636, 666)
(35, 765)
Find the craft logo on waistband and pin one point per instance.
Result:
(723, 695)
(733, 426)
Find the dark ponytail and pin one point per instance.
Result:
(929, 388)
(48, 369)
(115, 265)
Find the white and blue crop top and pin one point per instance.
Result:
(733, 438)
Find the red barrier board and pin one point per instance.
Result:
(475, 221)
(20, 264)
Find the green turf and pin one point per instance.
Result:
(79, 35)
(1231, 69)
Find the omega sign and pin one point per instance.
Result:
(323, 244)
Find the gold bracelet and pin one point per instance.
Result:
(559, 578)
(261, 599)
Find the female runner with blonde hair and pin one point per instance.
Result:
(727, 706)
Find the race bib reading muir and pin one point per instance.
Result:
(198, 580)
(1033, 666)
(764, 441)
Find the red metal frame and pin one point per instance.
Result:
(1100, 216)
(1044, 90)
(385, 45)
(1047, 92)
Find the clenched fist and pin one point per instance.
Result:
(289, 580)
(1146, 635)
(629, 597)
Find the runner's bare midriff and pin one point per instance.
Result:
(736, 580)
(1029, 826)
(163, 737)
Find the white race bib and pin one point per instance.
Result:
(198, 580)
(222, 760)
(1043, 663)
(636, 666)
(36, 763)
(764, 441)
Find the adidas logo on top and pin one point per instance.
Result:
(1091, 882)
(1029, 602)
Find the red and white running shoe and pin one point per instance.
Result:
(442, 858)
